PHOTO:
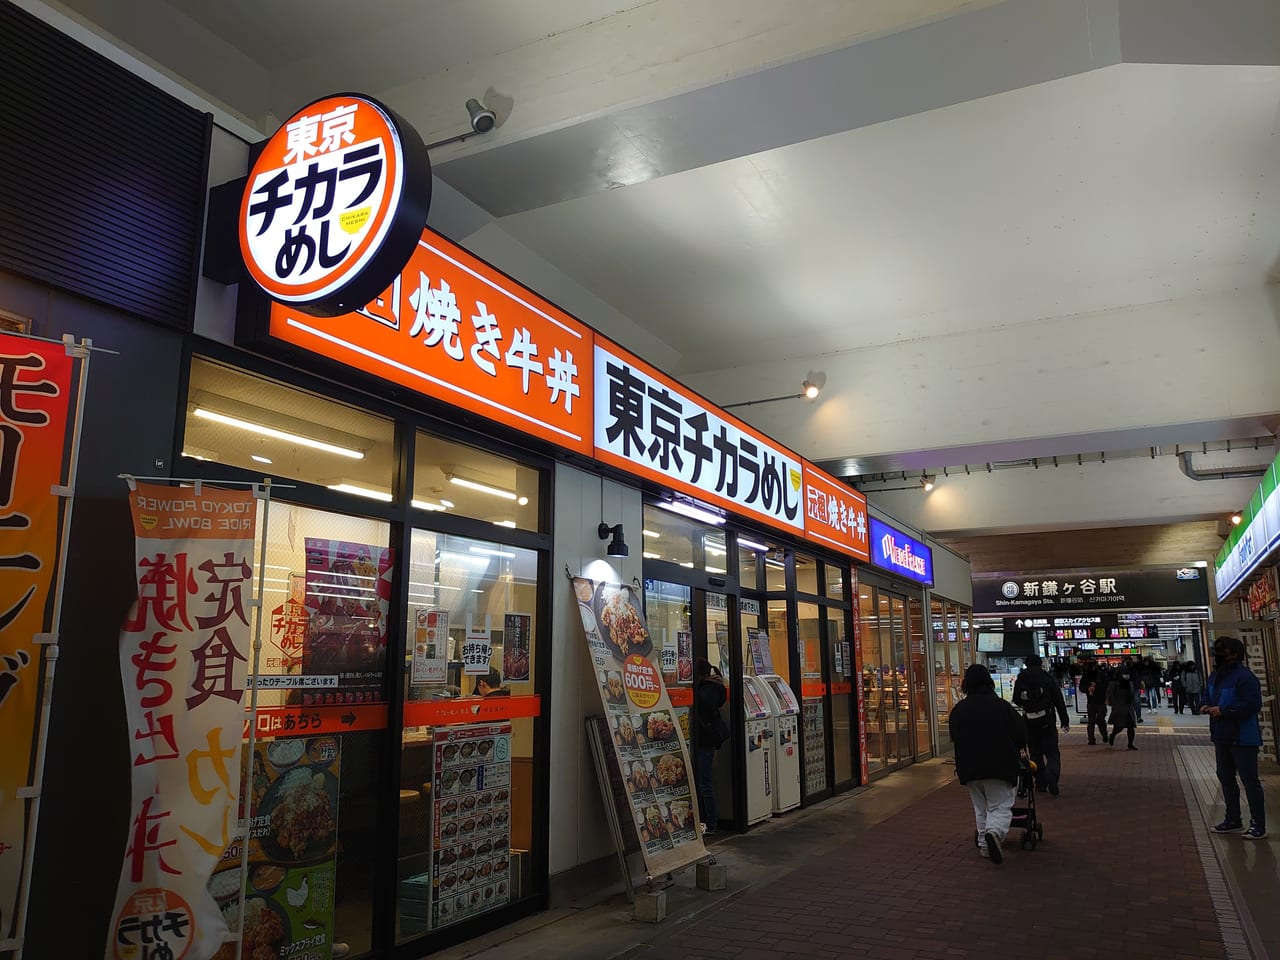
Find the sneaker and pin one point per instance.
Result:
(1053, 789)
(1132, 747)
(994, 851)
(982, 852)
(1227, 826)
(1255, 832)
(977, 841)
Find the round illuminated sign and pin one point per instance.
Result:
(334, 205)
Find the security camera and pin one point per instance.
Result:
(482, 118)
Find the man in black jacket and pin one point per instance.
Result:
(989, 736)
(1039, 696)
(1094, 686)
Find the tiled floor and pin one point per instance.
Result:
(1127, 870)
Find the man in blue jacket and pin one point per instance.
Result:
(1233, 699)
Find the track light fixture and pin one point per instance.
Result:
(617, 546)
(808, 391)
(926, 482)
(483, 120)
(1236, 519)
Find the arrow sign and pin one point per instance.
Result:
(1019, 622)
(349, 718)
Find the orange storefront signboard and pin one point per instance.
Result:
(650, 425)
(454, 328)
(834, 513)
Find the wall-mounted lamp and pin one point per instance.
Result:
(617, 546)
(1236, 519)
(809, 389)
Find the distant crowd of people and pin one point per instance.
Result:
(992, 738)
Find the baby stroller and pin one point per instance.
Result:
(1024, 817)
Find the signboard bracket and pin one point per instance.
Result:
(44, 638)
(61, 490)
(27, 793)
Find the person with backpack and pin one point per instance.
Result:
(1040, 697)
(989, 737)
(709, 733)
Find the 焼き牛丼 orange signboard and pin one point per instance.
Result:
(453, 328)
(834, 513)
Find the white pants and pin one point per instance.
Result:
(992, 807)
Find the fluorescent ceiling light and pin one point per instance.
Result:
(487, 488)
(448, 556)
(752, 545)
(651, 533)
(715, 570)
(653, 556)
(428, 505)
(254, 456)
(361, 491)
(492, 553)
(690, 511)
(266, 431)
(715, 551)
(193, 456)
(687, 563)
(510, 524)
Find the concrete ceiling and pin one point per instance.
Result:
(997, 230)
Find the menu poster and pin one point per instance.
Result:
(477, 649)
(684, 656)
(815, 746)
(645, 729)
(516, 628)
(471, 829)
(293, 832)
(838, 650)
(430, 647)
(761, 655)
(847, 656)
(348, 595)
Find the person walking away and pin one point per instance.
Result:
(1094, 685)
(989, 737)
(1039, 696)
(710, 733)
(1233, 700)
(1175, 685)
(1122, 698)
(1193, 685)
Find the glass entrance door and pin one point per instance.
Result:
(897, 636)
(717, 640)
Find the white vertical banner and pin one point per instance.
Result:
(183, 658)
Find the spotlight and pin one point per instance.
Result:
(810, 389)
(617, 546)
(1236, 519)
(926, 483)
(482, 118)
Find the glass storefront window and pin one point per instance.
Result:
(460, 480)
(777, 613)
(923, 725)
(842, 744)
(806, 574)
(243, 420)
(775, 569)
(834, 583)
(715, 553)
(872, 677)
(466, 778)
(749, 553)
(945, 690)
(326, 591)
(813, 701)
(669, 537)
(667, 614)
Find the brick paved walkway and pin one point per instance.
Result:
(1118, 876)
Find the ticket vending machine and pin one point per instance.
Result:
(785, 718)
(759, 735)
